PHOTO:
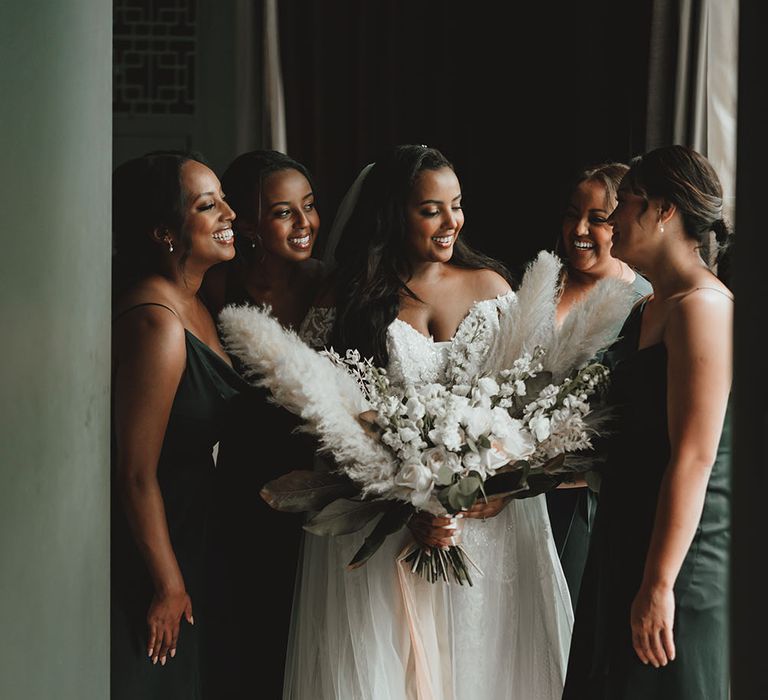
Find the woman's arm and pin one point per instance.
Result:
(151, 356)
(698, 342)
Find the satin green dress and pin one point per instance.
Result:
(602, 663)
(572, 511)
(202, 408)
(253, 551)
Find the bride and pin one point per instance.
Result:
(406, 287)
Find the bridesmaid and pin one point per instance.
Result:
(275, 232)
(172, 385)
(253, 551)
(585, 248)
(652, 615)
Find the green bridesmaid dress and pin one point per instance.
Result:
(602, 663)
(572, 511)
(201, 410)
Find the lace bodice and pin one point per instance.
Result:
(466, 648)
(415, 358)
(315, 329)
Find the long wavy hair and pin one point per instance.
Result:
(373, 268)
(147, 194)
(685, 178)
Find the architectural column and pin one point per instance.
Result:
(55, 126)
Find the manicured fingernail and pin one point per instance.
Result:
(154, 661)
(150, 653)
(191, 620)
(173, 653)
(162, 661)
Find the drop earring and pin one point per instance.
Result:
(170, 245)
(253, 242)
(661, 228)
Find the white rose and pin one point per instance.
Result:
(518, 444)
(477, 421)
(540, 427)
(418, 479)
(436, 458)
(494, 457)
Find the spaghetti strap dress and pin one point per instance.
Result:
(185, 471)
(572, 511)
(603, 664)
(253, 551)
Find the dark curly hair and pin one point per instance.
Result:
(371, 255)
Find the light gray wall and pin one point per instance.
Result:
(55, 131)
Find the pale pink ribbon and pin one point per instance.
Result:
(424, 642)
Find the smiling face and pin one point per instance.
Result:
(289, 221)
(433, 216)
(586, 234)
(208, 218)
(635, 227)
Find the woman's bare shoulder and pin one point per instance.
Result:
(484, 283)
(146, 314)
(702, 318)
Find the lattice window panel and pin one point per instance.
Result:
(154, 47)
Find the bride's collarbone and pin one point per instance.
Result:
(439, 319)
(442, 306)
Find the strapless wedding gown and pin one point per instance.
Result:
(382, 633)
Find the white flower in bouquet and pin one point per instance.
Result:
(415, 408)
(513, 438)
(477, 421)
(540, 426)
(438, 459)
(515, 400)
(416, 482)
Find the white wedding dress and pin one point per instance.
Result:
(382, 633)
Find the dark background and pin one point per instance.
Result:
(518, 97)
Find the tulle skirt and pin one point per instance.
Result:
(383, 633)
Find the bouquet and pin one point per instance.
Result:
(510, 418)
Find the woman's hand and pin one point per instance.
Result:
(163, 621)
(436, 531)
(487, 508)
(652, 618)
